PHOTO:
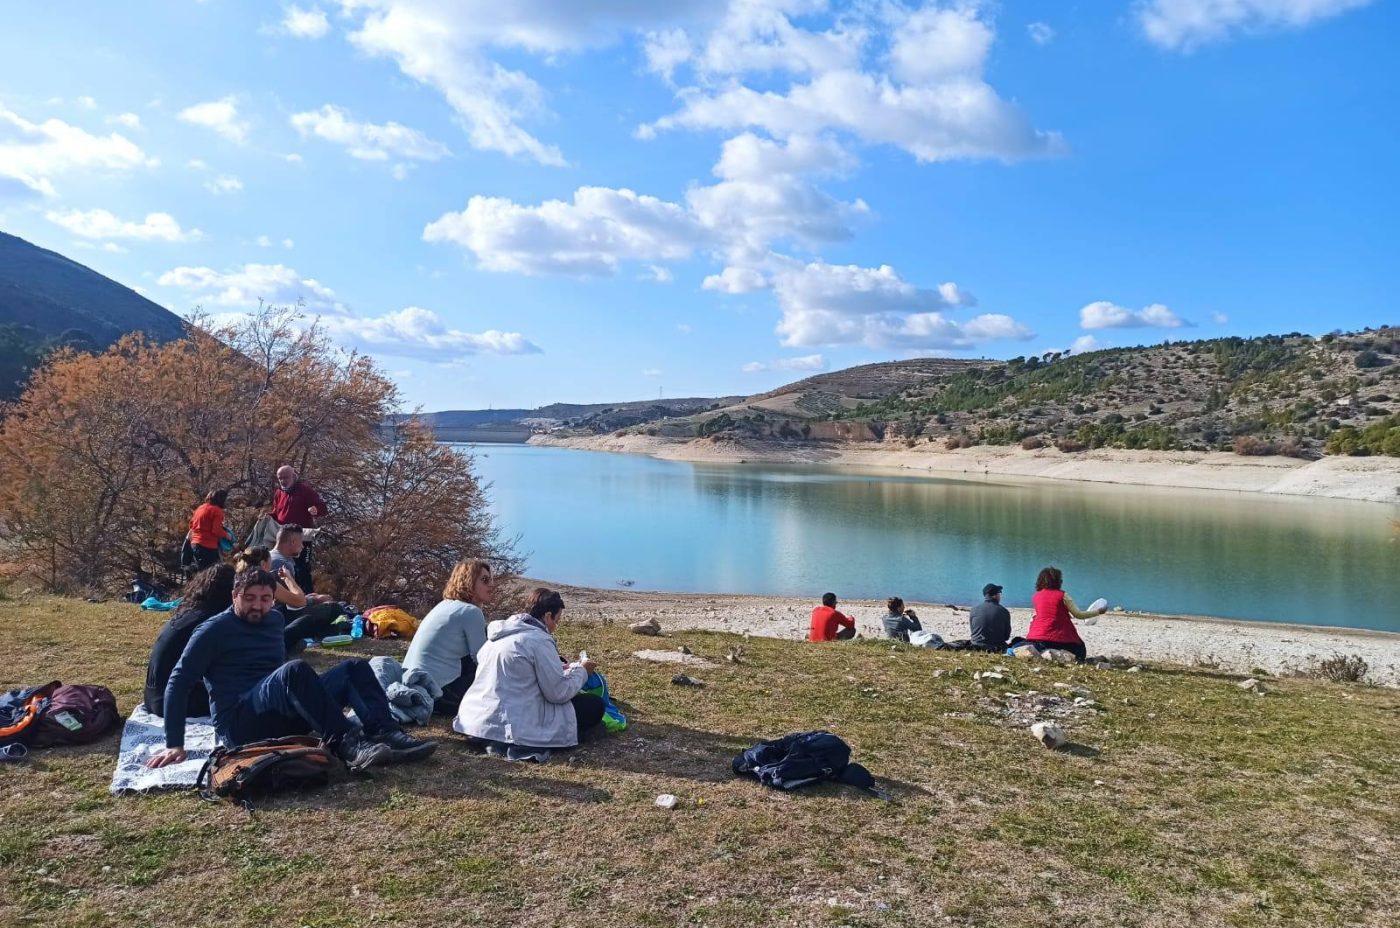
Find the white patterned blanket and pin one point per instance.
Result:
(144, 735)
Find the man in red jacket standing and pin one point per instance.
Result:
(826, 620)
(296, 502)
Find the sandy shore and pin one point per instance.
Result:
(1187, 640)
(1371, 479)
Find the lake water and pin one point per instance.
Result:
(594, 519)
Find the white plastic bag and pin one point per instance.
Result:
(925, 639)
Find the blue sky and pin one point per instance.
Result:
(517, 203)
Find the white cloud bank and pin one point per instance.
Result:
(809, 362)
(220, 116)
(303, 23)
(100, 224)
(1106, 315)
(33, 154)
(367, 141)
(1182, 25)
(246, 286)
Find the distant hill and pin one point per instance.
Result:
(598, 417)
(47, 300)
(1279, 394)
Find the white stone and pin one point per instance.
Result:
(1048, 734)
(667, 801)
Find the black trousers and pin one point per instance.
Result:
(451, 699)
(588, 709)
(204, 557)
(846, 634)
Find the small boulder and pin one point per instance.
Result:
(1252, 685)
(1048, 734)
(681, 679)
(667, 801)
(1058, 656)
(649, 627)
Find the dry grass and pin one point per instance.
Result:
(1216, 807)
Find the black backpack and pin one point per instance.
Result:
(801, 759)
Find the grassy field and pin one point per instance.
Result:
(1185, 801)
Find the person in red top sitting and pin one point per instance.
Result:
(296, 502)
(825, 620)
(207, 528)
(1053, 625)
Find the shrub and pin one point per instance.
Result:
(955, 442)
(1368, 359)
(1344, 668)
(1071, 445)
(1032, 443)
(1292, 448)
(105, 457)
(1251, 446)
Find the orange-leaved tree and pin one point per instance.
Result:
(104, 457)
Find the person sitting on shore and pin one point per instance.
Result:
(208, 593)
(826, 620)
(990, 622)
(525, 701)
(899, 622)
(255, 694)
(1052, 625)
(451, 635)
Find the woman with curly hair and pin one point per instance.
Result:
(208, 593)
(1053, 624)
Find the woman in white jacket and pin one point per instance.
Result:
(524, 695)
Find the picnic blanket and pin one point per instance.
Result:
(144, 735)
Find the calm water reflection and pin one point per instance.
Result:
(592, 518)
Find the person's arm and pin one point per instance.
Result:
(474, 630)
(287, 592)
(189, 671)
(317, 506)
(557, 682)
(843, 619)
(910, 623)
(1003, 624)
(1078, 614)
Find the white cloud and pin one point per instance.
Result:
(684, 329)
(1182, 25)
(651, 372)
(367, 141)
(246, 286)
(736, 280)
(809, 362)
(303, 23)
(826, 304)
(926, 96)
(220, 116)
(592, 235)
(292, 158)
(1219, 318)
(288, 243)
(32, 154)
(86, 103)
(414, 332)
(101, 224)
(1085, 343)
(1041, 33)
(129, 120)
(195, 164)
(659, 274)
(224, 183)
(1106, 315)
(264, 241)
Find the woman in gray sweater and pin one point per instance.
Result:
(452, 633)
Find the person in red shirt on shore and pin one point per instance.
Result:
(826, 620)
(296, 502)
(207, 528)
(1055, 612)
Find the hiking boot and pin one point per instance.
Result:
(359, 753)
(404, 746)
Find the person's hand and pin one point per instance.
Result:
(318, 598)
(313, 510)
(590, 666)
(166, 758)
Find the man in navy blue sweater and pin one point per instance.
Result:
(239, 654)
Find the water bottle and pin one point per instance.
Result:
(357, 627)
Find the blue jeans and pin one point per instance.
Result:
(295, 700)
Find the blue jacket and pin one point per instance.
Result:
(231, 656)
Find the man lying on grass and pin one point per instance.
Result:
(254, 694)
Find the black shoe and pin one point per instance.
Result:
(404, 746)
(359, 752)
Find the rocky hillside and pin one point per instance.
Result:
(1291, 394)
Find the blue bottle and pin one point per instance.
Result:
(357, 627)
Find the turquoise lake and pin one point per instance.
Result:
(595, 519)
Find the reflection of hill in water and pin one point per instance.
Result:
(797, 531)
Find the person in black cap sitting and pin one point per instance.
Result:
(991, 622)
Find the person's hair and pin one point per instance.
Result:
(288, 530)
(829, 599)
(463, 579)
(543, 602)
(253, 576)
(252, 556)
(895, 605)
(211, 588)
(1050, 579)
(217, 497)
